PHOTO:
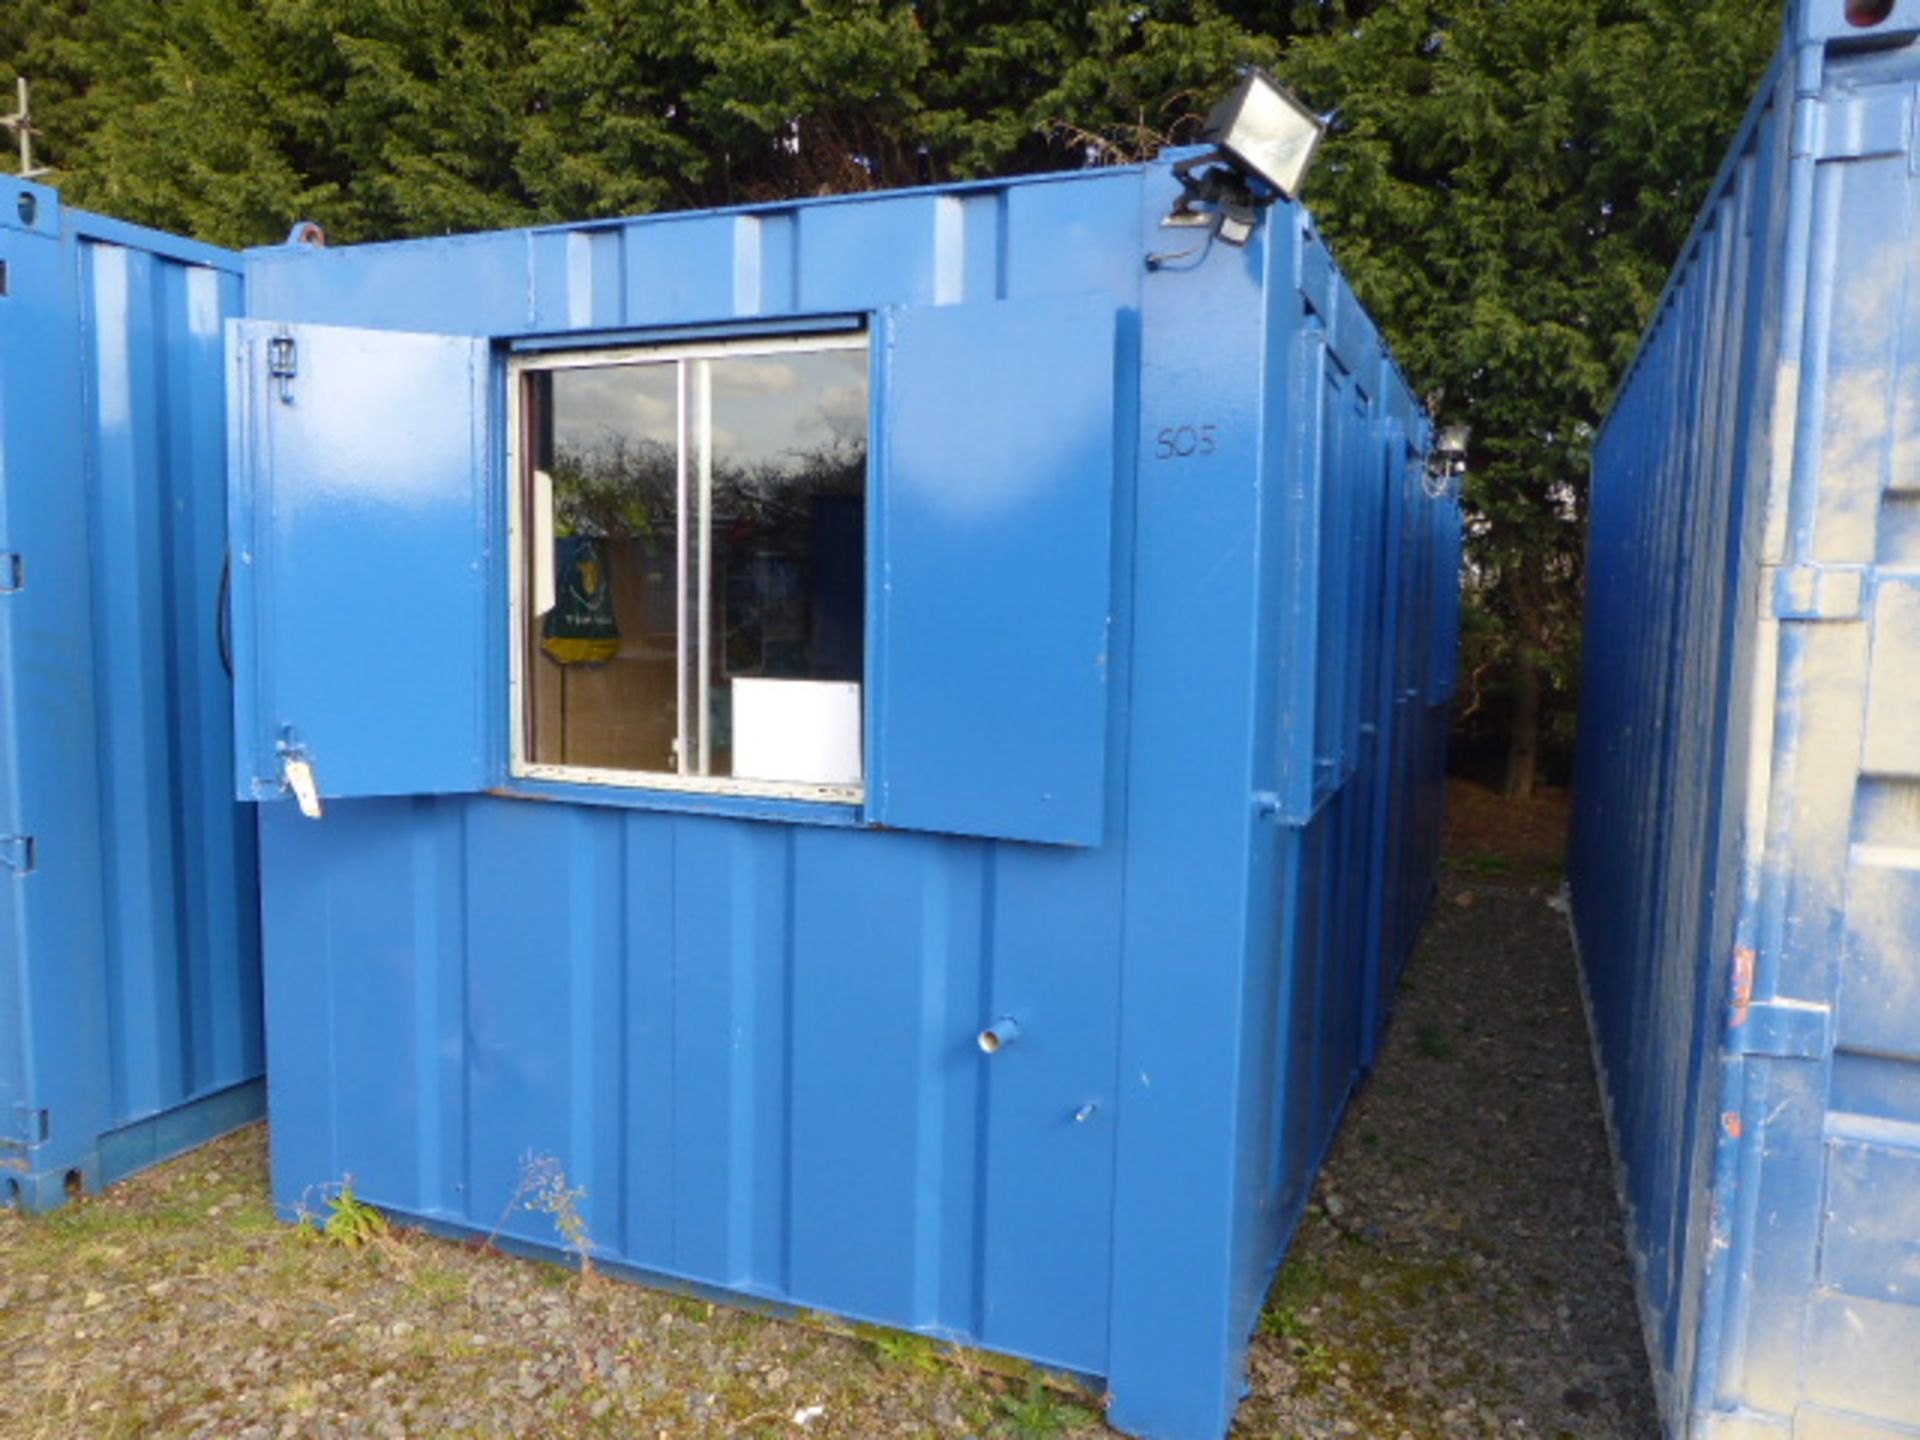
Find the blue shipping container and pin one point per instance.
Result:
(896, 744)
(130, 1008)
(1746, 859)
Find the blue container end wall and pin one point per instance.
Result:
(130, 1004)
(1747, 839)
(1183, 837)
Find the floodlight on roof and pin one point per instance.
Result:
(1264, 141)
(1266, 133)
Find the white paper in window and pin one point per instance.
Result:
(800, 731)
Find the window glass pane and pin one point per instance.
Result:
(783, 592)
(601, 661)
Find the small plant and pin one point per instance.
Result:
(1313, 1363)
(543, 1189)
(350, 1222)
(1433, 1042)
(914, 1352)
(1295, 1290)
(1037, 1413)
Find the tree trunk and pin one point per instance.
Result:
(1523, 734)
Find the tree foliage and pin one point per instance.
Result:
(228, 119)
(1507, 181)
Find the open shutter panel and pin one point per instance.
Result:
(360, 568)
(995, 586)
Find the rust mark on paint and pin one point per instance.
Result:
(1730, 1122)
(1742, 986)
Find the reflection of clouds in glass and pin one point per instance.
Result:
(840, 403)
(753, 377)
(819, 403)
(591, 406)
(766, 409)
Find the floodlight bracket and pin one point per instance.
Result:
(1216, 197)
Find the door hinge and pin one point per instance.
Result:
(283, 364)
(13, 572)
(16, 853)
(1782, 1029)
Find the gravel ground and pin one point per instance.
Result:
(1460, 1274)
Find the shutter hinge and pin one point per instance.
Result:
(1818, 592)
(283, 364)
(16, 853)
(1866, 127)
(13, 572)
(1782, 1029)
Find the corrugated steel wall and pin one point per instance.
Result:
(1745, 841)
(130, 1018)
(747, 1029)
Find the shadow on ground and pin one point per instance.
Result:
(1460, 1273)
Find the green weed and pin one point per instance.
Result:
(352, 1222)
(913, 1352)
(1037, 1413)
(1296, 1289)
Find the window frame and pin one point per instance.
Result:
(533, 776)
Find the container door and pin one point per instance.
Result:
(995, 569)
(359, 517)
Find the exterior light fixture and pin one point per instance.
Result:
(1266, 133)
(1264, 140)
(1448, 460)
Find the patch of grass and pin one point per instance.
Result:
(439, 1285)
(253, 1217)
(1434, 1043)
(902, 1348)
(1313, 1362)
(1038, 1413)
(228, 1259)
(1296, 1289)
(1489, 864)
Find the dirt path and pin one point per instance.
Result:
(1460, 1274)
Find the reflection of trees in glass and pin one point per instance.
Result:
(617, 489)
(787, 561)
(620, 488)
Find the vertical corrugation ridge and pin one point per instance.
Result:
(429, 951)
(949, 250)
(1002, 244)
(172, 460)
(462, 1007)
(580, 279)
(789, 854)
(976, 1307)
(930, 1137)
(748, 280)
(743, 996)
(675, 825)
(620, 934)
(583, 913)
